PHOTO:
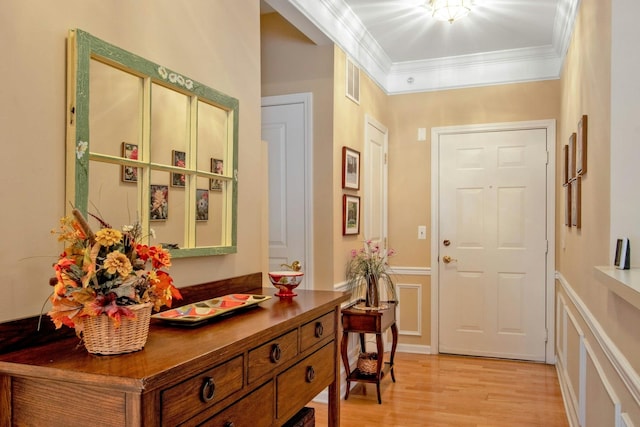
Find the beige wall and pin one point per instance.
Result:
(348, 130)
(291, 63)
(410, 168)
(595, 327)
(216, 43)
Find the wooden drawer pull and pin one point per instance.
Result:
(311, 374)
(319, 329)
(276, 353)
(208, 389)
(229, 424)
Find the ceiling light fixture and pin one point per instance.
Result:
(450, 10)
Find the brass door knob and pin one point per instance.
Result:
(447, 259)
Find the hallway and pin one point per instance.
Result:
(455, 391)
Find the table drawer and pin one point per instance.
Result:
(272, 354)
(304, 380)
(255, 410)
(184, 400)
(317, 330)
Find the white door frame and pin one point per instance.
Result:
(306, 99)
(550, 126)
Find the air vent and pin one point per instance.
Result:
(353, 81)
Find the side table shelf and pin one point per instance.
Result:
(367, 321)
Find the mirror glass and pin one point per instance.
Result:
(150, 145)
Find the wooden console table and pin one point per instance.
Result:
(369, 322)
(258, 367)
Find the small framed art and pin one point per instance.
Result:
(350, 168)
(621, 259)
(565, 165)
(581, 147)
(571, 163)
(350, 215)
(202, 205)
(576, 211)
(129, 173)
(217, 166)
(159, 203)
(178, 158)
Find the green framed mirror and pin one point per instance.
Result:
(147, 144)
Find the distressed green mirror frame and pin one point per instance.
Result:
(84, 48)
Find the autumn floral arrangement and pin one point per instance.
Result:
(106, 272)
(366, 269)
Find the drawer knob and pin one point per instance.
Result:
(311, 374)
(276, 353)
(229, 424)
(319, 329)
(208, 389)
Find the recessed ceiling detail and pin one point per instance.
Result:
(404, 49)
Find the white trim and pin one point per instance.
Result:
(410, 271)
(306, 99)
(414, 348)
(401, 331)
(606, 384)
(629, 377)
(550, 126)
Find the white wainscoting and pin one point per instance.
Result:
(595, 377)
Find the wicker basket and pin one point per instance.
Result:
(368, 363)
(100, 335)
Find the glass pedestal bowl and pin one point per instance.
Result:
(286, 282)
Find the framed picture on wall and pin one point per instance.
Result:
(217, 166)
(567, 205)
(572, 157)
(350, 215)
(565, 165)
(581, 147)
(575, 203)
(350, 168)
(129, 173)
(202, 204)
(178, 158)
(159, 203)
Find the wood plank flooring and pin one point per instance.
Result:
(456, 391)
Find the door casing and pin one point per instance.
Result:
(550, 126)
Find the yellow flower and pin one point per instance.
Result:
(117, 262)
(108, 237)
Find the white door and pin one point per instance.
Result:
(375, 181)
(492, 227)
(285, 128)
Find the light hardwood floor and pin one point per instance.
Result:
(456, 391)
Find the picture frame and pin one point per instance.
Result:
(576, 212)
(350, 168)
(350, 214)
(581, 146)
(572, 157)
(217, 166)
(565, 165)
(202, 204)
(178, 158)
(567, 205)
(129, 173)
(621, 259)
(159, 203)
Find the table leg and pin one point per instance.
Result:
(394, 333)
(345, 360)
(380, 346)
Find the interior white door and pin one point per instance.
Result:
(492, 211)
(283, 128)
(375, 182)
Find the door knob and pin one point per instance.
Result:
(447, 259)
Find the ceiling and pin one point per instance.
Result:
(404, 49)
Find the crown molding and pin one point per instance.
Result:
(337, 21)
